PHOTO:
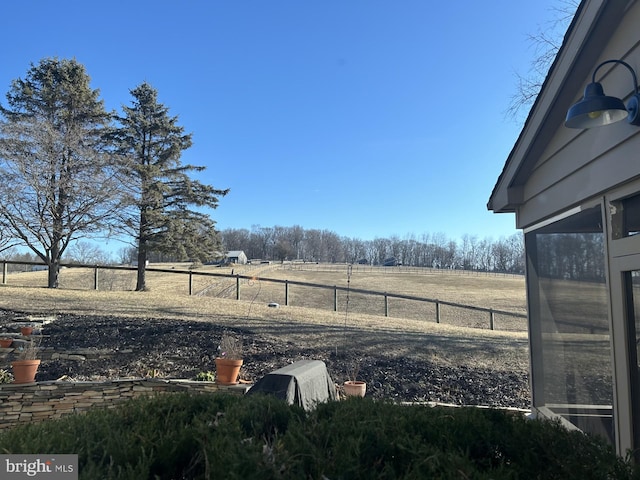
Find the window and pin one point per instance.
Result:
(569, 321)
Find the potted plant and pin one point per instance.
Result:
(355, 387)
(27, 362)
(6, 342)
(229, 360)
(26, 330)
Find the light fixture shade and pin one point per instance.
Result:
(595, 109)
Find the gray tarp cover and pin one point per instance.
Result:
(302, 383)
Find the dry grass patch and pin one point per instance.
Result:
(497, 292)
(486, 290)
(313, 328)
(462, 337)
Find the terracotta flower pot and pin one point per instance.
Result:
(5, 342)
(355, 388)
(227, 371)
(24, 371)
(26, 331)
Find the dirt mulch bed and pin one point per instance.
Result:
(116, 347)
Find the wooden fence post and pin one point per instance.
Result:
(491, 319)
(437, 312)
(286, 292)
(335, 298)
(95, 277)
(386, 305)
(4, 272)
(190, 283)
(237, 287)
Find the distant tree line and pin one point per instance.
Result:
(571, 256)
(428, 250)
(568, 256)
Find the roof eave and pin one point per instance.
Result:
(584, 41)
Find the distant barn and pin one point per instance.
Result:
(236, 256)
(391, 262)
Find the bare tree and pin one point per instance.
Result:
(315, 250)
(380, 250)
(333, 246)
(266, 237)
(283, 250)
(236, 239)
(87, 253)
(297, 237)
(546, 43)
(126, 254)
(58, 184)
(7, 242)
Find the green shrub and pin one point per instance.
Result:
(208, 376)
(5, 376)
(258, 437)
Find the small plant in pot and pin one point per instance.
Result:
(27, 362)
(229, 359)
(26, 330)
(354, 387)
(6, 342)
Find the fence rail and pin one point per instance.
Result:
(286, 285)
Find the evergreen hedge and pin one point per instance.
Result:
(223, 436)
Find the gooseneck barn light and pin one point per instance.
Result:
(596, 108)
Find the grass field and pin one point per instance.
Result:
(448, 342)
(497, 292)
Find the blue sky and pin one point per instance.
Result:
(369, 118)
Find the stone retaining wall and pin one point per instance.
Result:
(35, 402)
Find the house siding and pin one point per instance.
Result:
(580, 164)
(553, 169)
